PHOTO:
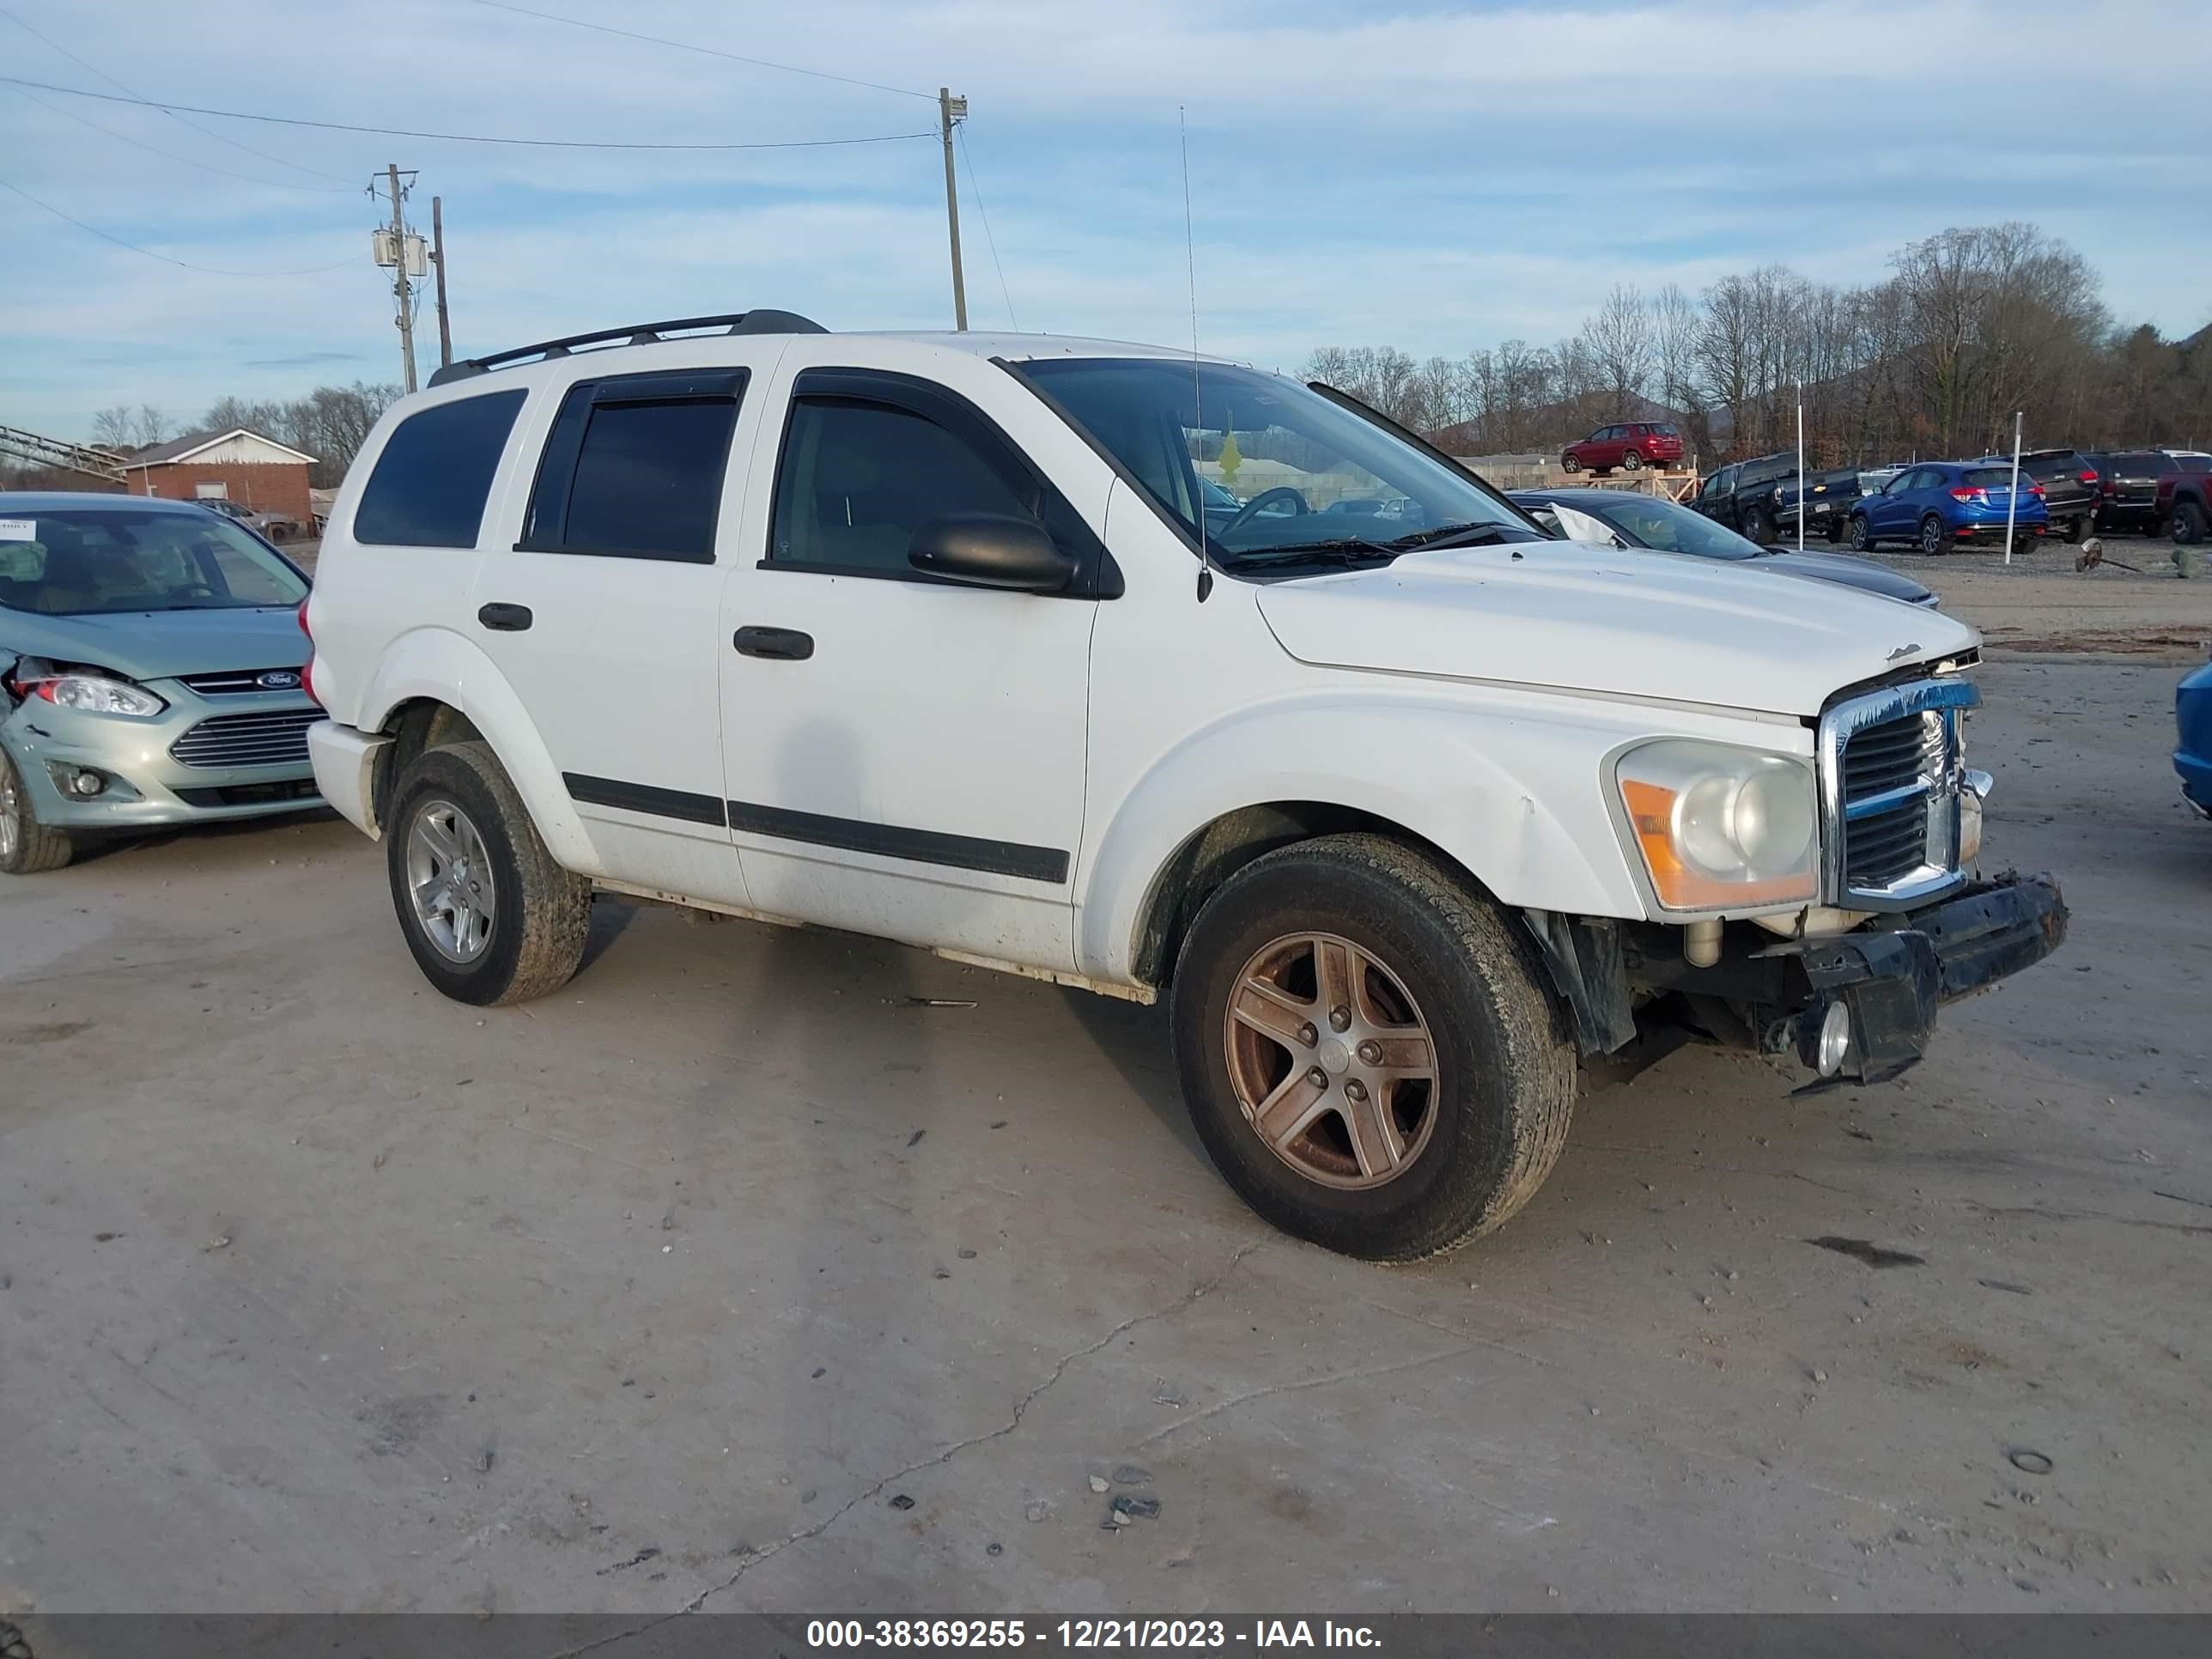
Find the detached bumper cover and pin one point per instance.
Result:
(1894, 981)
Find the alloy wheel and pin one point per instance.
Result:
(449, 876)
(12, 814)
(1332, 1060)
(1931, 536)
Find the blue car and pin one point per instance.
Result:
(1936, 503)
(2192, 757)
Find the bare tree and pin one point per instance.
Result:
(1618, 342)
(111, 429)
(150, 425)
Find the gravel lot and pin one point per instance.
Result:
(732, 1277)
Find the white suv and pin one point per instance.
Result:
(1159, 676)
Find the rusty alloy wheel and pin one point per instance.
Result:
(1332, 1060)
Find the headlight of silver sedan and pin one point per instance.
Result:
(96, 694)
(1719, 827)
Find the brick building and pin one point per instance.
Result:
(238, 465)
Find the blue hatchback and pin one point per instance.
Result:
(1939, 502)
(2192, 754)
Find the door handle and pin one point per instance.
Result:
(505, 618)
(783, 644)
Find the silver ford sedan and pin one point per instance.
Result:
(152, 673)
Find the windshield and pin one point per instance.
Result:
(84, 561)
(1670, 528)
(1309, 475)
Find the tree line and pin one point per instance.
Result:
(331, 423)
(1932, 359)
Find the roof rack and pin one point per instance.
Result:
(762, 321)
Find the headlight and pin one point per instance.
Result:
(1719, 827)
(94, 694)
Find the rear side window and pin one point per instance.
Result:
(430, 482)
(633, 467)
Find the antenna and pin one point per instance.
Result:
(1197, 402)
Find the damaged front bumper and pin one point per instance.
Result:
(1890, 978)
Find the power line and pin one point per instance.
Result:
(208, 271)
(155, 149)
(207, 131)
(710, 51)
(458, 138)
(967, 155)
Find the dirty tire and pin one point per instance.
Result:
(1757, 527)
(543, 911)
(27, 846)
(1862, 534)
(2188, 524)
(1933, 541)
(1504, 1086)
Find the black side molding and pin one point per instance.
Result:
(1000, 857)
(643, 797)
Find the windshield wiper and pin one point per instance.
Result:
(1454, 535)
(1343, 550)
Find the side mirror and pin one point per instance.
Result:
(991, 549)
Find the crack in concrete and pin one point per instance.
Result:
(1060, 1369)
(1357, 1374)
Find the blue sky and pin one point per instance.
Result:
(1437, 177)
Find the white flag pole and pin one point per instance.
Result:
(1801, 466)
(2012, 501)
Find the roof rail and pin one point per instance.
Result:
(762, 321)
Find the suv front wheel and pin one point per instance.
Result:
(489, 914)
(1367, 1050)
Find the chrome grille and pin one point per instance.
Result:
(278, 738)
(238, 682)
(1890, 776)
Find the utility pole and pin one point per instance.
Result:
(400, 287)
(438, 253)
(949, 110)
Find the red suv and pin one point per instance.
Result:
(1631, 444)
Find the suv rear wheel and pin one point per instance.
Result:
(489, 914)
(1933, 541)
(1367, 1050)
(1632, 461)
(26, 847)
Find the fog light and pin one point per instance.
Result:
(86, 782)
(1835, 1039)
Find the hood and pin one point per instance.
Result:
(1845, 567)
(160, 645)
(1579, 618)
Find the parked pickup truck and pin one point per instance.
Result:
(930, 637)
(1747, 495)
(1828, 498)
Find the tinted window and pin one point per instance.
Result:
(2139, 467)
(1665, 429)
(858, 479)
(430, 482)
(2191, 463)
(1988, 478)
(649, 478)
